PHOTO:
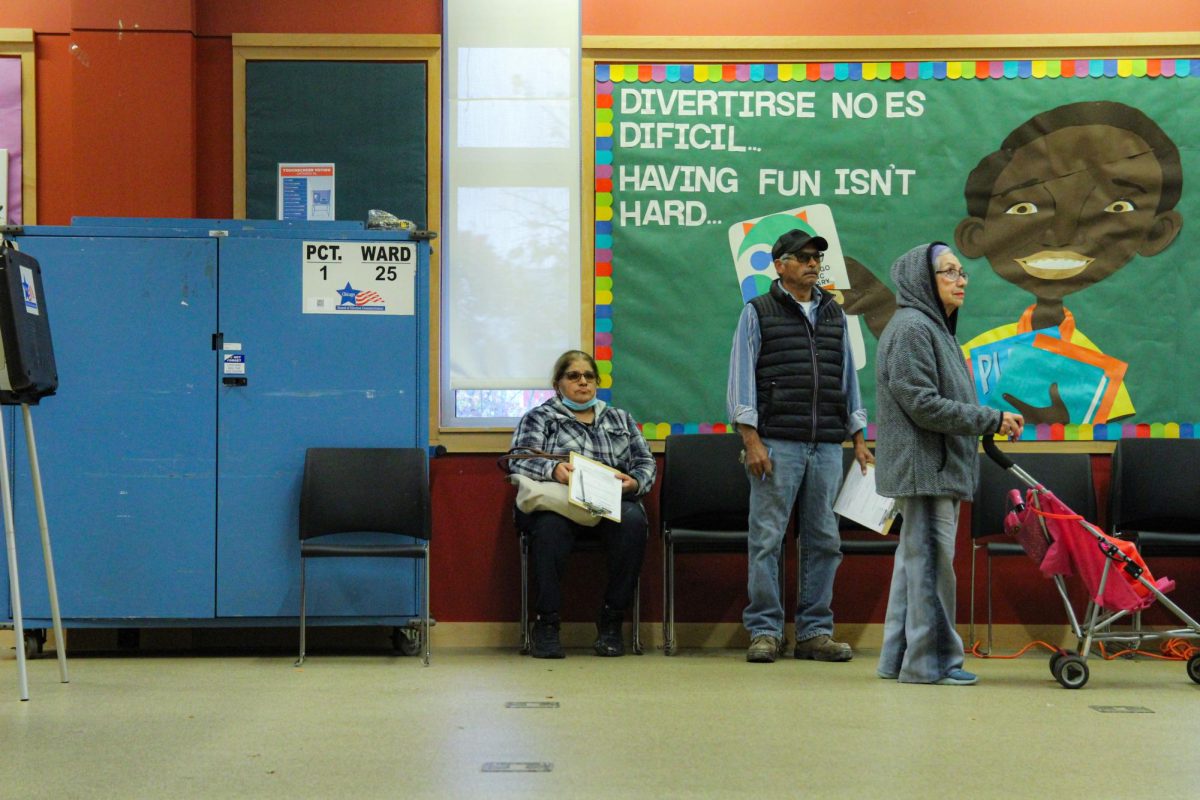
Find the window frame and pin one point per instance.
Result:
(18, 42)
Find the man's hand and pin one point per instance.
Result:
(861, 454)
(758, 460)
(562, 472)
(628, 484)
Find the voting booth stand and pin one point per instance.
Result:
(27, 374)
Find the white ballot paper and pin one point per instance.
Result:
(596, 487)
(858, 501)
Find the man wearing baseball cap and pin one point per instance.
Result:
(793, 395)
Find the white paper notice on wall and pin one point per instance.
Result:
(363, 278)
(305, 192)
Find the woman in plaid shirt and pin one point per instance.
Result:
(575, 420)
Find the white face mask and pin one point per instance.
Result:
(575, 406)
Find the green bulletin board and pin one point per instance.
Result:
(699, 167)
(366, 117)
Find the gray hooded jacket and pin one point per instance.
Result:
(928, 412)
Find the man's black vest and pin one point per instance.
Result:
(799, 369)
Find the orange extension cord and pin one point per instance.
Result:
(1171, 650)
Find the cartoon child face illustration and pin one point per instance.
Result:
(1069, 198)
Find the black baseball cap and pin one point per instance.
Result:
(793, 240)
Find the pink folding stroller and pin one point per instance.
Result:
(1118, 582)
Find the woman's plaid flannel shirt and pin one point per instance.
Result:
(613, 438)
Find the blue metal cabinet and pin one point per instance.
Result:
(127, 446)
(171, 495)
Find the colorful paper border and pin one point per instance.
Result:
(899, 70)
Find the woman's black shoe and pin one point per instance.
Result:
(609, 641)
(545, 638)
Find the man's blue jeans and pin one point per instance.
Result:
(812, 474)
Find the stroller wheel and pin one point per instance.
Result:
(1193, 668)
(1071, 672)
(1055, 659)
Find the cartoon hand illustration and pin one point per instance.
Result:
(1055, 412)
(869, 297)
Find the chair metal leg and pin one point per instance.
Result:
(300, 660)
(971, 625)
(668, 598)
(523, 544)
(637, 616)
(425, 608)
(989, 601)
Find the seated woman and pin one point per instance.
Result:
(575, 420)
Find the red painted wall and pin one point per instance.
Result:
(133, 106)
(132, 15)
(55, 131)
(42, 16)
(214, 127)
(226, 17)
(134, 119)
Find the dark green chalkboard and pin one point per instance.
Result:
(368, 118)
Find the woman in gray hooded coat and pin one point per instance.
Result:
(926, 458)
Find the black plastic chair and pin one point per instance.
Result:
(587, 542)
(366, 491)
(1154, 499)
(1066, 475)
(704, 507)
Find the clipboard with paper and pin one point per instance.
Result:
(858, 501)
(595, 486)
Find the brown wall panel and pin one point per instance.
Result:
(214, 121)
(56, 183)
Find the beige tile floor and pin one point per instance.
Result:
(701, 724)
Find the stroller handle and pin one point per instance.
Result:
(995, 453)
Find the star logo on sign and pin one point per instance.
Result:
(348, 294)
